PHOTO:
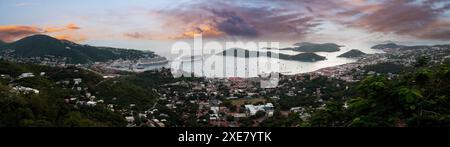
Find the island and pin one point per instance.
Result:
(387, 46)
(354, 53)
(243, 53)
(405, 47)
(313, 47)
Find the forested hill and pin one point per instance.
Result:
(417, 98)
(44, 46)
(49, 97)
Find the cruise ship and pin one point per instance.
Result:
(149, 62)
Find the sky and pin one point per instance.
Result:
(151, 24)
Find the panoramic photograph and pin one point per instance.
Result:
(224, 64)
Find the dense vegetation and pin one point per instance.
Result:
(404, 47)
(49, 108)
(305, 57)
(312, 47)
(242, 53)
(139, 89)
(305, 92)
(419, 98)
(384, 68)
(387, 46)
(354, 53)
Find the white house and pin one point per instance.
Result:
(215, 110)
(91, 103)
(252, 109)
(77, 81)
(25, 90)
(26, 75)
(130, 119)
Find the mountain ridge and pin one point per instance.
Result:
(43, 45)
(405, 47)
(354, 53)
(304, 57)
(314, 47)
(387, 46)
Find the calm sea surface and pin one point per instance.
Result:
(229, 66)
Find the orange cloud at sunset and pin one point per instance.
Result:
(68, 27)
(72, 26)
(208, 31)
(11, 33)
(205, 30)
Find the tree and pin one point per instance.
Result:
(230, 118)
(246, 122)
(422, 61)
(332, 115)
(260, 114)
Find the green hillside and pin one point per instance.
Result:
(313, 47)
(42, 46)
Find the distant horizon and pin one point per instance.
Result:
(118, 44)
(155, 25)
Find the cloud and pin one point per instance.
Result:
(11, 33)
(68, 27)
(438, 30)
(135, 35)
(422, 19)
(72, 26)
(206, 31)
(234, 25)
(399, 17)
(301, 19)
(235, 20)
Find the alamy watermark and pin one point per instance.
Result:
(234, 59)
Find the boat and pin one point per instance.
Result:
(148, 62)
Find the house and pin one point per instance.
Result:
(232, 98)
(213, 117)
(239, 115)
(215, 110)
(77, 81)
(275, 98)
(252, 109)
(170, 106)
(25, 90)
(158, 123)
(66, 82)
(130, 119)
(91, 103)
(26, 75)
(297, 109)
(142, 115)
